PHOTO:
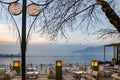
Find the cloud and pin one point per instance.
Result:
(5, 34)
(76, 37)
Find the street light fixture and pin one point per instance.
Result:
(95, 65)
(15, 8)
(32, 9)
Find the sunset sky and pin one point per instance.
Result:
(38, 45)
(77, 39)
(7, 35)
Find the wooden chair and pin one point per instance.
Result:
(83, 79)
(95, 74)
(92, 75)
(115, 76)
(67, 76)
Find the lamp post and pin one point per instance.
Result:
(23, 43)
(32, 9)
(13, 9)
(95, 65)
(58, 70)
(16, 66)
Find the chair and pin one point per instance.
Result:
(52, 74)
(11, 74)
(91, 75)
(67, 76)
(95, 74)
(101, 71)
(47, 71)
(115, 76)
(83, 79)
(116, 67)
(104, 71)
(89, 71)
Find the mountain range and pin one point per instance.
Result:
(94, 51)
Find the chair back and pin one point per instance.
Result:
(101, 68)
(89, 71)
(95, 73)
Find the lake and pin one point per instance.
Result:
(81, 59)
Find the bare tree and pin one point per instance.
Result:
(67, 15)
(59, 16)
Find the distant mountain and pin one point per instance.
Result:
(94, 50)
(9, 55)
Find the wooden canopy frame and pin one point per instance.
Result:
(116, 51)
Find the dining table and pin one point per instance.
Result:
(79, 73)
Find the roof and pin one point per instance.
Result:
(114, 44)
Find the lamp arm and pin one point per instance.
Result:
(44, 3)
(8, 2)
(28, 34)
(19, 37)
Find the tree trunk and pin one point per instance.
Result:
(110, 13)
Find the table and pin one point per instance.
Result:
(79, 73)
(66, 68)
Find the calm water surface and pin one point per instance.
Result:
(51, 59)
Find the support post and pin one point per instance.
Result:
(23, 43)
(104, 54)
(117, 53)
(58, 70)
(114, 51)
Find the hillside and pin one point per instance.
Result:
(94, 50)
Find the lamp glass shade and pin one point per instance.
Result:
(96, 63)
(33, 9)
(92, 63)
(58, 63)
(16, 63)
(15, 8)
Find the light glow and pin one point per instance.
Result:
(58, 63)
(16, 63)
(94, 63)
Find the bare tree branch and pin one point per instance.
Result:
(59, 16)
(110, 13)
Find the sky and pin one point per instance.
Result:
(41, 46)
(7, 35)
(77, 40)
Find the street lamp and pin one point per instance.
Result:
(58, 70)
(95, 65)
(16, 66)
(33, 9)
(15, 8)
